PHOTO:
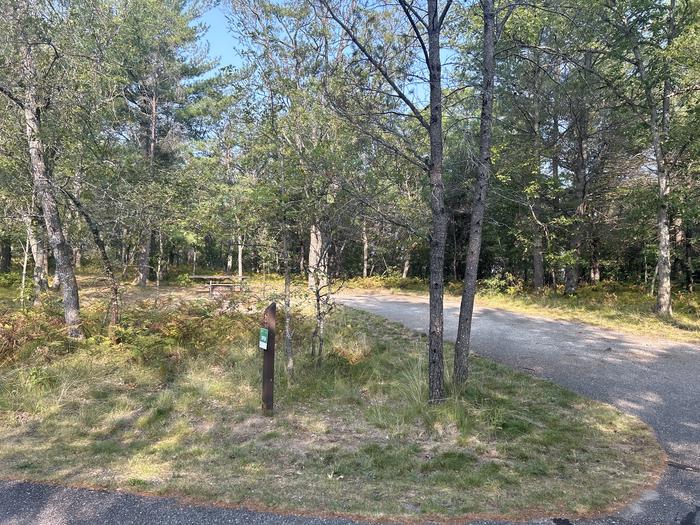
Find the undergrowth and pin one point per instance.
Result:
(169, 402)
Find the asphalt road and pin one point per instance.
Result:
(656, 380)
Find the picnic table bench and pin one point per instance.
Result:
(232, 282)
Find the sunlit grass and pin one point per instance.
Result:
(170, 404)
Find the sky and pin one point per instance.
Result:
(222, 44)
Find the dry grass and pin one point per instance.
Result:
(169, 404)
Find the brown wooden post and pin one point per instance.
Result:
(267, 345)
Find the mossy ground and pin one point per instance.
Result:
(169, 403)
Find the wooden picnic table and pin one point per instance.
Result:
(233, 282)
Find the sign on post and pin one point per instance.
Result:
(264, 332)
(267, 344)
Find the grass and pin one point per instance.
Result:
(619, 306)
(169, 404)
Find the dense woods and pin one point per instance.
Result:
(541, 144)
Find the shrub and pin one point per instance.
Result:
(11, 279)
(506, 283)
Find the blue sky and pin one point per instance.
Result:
(222, 44)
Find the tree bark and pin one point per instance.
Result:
(288, 350)
(657, 129)
(44, 190)
(689, 270)
(365, 250)
(240, 256)
(537, 260)
(438, 230)
(595, 270)
(229, 256)
(462, 345)
(663, 295)
(143, 261)
(318, 258)
(106, 263)
(37, 247)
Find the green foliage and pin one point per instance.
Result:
(507, 283)
(10, 279)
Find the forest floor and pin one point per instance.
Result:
(623, 307)
(168, 404)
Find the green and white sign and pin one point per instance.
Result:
(263, 338)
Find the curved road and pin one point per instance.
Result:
(657, 380)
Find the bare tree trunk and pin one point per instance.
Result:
(159, 265)
(537, 260)
(689, 270)
(462, 345)
(240, 256)
(288, 350)
(78, 255)
(406, 265)
(106, 263)
(39, 255)
(318, 258)
(595, 262)
(144, 258)
(438, 231)
(595, 271)
(657, 129)
(229, 256)
(23, 282)
(44, 190)
(365, 250)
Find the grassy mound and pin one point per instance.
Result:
(169, 404)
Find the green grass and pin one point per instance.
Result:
(169, 403)
(623, 307)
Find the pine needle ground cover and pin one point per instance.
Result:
(169, 404)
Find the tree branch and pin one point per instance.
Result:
(381, 69)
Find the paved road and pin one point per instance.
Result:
(659, 381)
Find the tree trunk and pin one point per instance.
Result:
(23, 282)
(461, 356)
(438, 230)
(106, 263)
(144, 258)
(689, 270)
(537, 261)
(40, 256)
(406, 265)
(288, 350)
(44, 190)
(318, 267)
(240, 256)
(663, 296)
(78, 255)
(365, 250)
(5, 254)
(229, 256)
